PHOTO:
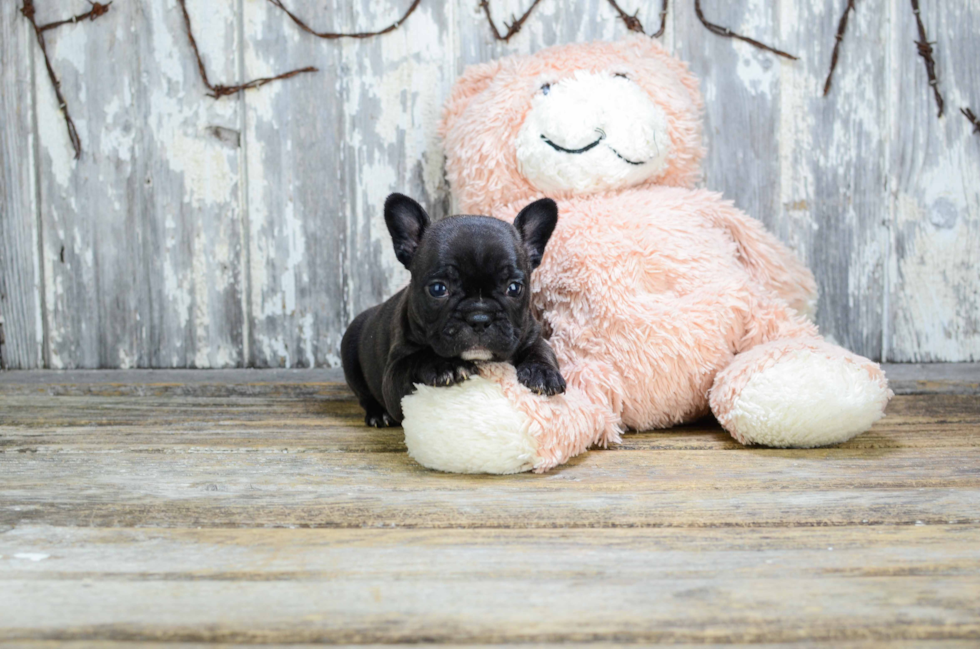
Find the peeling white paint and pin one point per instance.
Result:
(166, 54)
(758, 70)
(126, 361)
(52, 134)
(118, 139)
(939, 237)
(390, 91)
(175, 289)
(796, 128)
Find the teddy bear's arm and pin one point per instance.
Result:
(768, 260)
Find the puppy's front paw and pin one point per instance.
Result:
(541, 379)
(445, 372)
(379, 418)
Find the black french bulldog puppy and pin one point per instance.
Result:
(468, 300)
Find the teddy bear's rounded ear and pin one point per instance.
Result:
(474, 80)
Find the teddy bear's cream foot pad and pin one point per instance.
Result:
(468, 428)
(808, 398)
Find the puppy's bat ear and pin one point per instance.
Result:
(406, 221)
(535, 223)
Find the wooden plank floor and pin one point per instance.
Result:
(254, 508)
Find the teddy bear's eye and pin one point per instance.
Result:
(622, 75)
(546, 88)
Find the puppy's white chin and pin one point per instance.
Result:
(477, 355)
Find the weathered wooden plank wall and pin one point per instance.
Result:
(21, 319)
(934, 273)
(195, 232)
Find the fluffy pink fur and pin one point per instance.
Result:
(489, 102)
(654, 297)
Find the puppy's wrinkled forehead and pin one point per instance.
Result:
(473, 245)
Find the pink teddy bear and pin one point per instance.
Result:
(661, 301)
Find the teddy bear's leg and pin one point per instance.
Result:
(798, 392)
(493, 424)
(472, 427)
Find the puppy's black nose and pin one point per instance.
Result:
(478, 319)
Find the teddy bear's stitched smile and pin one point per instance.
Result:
(564, 150)
(627, 160)
(590, 146)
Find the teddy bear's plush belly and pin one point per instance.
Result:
(663, 350)
(669, 362)
(649, 290)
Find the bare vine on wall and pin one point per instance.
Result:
(29, 12)
(724, 31)
(334, 35)
(632, 22)
(925, 50)
(968, 113)
(215, 90)
(841, 28)
(219, 90)
(515, 23)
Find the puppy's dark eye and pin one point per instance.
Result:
(546, 88)
(514, 289)
(438, 289)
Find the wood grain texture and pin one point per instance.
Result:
(287, 416)
(122, 644)
(741, 88)
(382, 586)
(299, 458)
(392, 101)
(551, 22)
(194, 511)
(833, 164)
(304, 488)
(949, 378)
(247, 231)
(20, 306)
(903, 378)
(935, 165)
(141, 234)
(294, 133)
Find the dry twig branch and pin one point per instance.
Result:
(96, 11)
(218, 90)
(515, 23)
(841, 28)
(29, 12)
(727, 33)
(968, 113)
(925, 51)
(633, 22)
(331, 35)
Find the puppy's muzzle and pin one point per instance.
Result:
(478, 320)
